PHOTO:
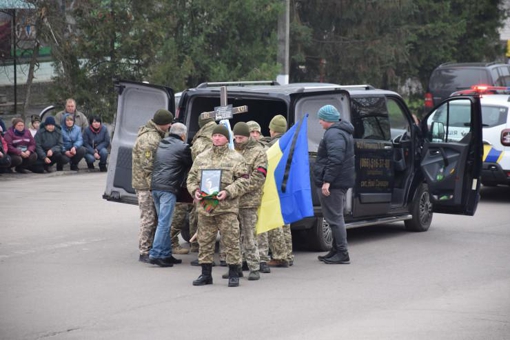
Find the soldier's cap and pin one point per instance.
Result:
(222, 130)
(202, 121)
(278, 124)
(254, 126)
(241, 129)
(163, 117)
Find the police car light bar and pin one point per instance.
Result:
(482, 90)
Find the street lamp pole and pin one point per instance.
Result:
(283, 44)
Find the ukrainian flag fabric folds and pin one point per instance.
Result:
(287, 195)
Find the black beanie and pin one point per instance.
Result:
(163, 117)
(222, 130)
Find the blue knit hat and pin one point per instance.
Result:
(49, 120)
(329, 113)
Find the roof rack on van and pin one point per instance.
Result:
(238, 83)
(357, 87)
(452, 63)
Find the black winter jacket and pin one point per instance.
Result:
(46, 140)
(335, 157)
(171, 164)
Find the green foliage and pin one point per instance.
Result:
(181, 43)
(217, 40)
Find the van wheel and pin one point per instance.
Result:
(421, 209)
(320, 237)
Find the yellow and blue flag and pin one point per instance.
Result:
(287, 196)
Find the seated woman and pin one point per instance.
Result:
(73, 142)
(49, 146)
(5, 159)
(21, 146)
(96, 140)
(35, 121)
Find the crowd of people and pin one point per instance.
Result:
(66, 138)
(226, 187)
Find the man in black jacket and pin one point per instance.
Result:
(171, 164)
(333, 174)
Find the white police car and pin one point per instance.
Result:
(495, 103)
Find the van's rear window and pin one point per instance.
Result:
(458, 79)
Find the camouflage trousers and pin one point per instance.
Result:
(276, 241)
(249, 247)
(228, 226)
(179, 222)
(287, 234)
(193, 226)
(263, 245)
(148, 221)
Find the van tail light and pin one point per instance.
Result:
(429, 102)
(505, 137)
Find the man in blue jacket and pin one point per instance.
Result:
(171, 165)
(333, 173)
(73, 142)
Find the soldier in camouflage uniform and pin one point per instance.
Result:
(256, 159)
(201, 142)
(178, 224)
(219, 214)
(278, 238)
(144, 150)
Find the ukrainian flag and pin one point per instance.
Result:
(287, 196)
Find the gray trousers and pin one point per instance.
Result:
(333, 212)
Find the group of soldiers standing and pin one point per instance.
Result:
(231, 210)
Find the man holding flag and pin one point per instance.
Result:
(334, 174)
(287, 194)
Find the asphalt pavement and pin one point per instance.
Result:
(69, 270)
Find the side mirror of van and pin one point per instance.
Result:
(437, 130)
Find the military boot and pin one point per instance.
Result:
(239, 273)
(233, 275)
(264, 268)
(206, 277)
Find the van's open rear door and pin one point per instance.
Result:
(137, 103)
(451, 165)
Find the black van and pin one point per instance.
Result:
(451, 77)
(403, 172)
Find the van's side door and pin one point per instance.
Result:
(452, 166)
(374, 155)
(136, 105)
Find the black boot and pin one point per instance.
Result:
(327, 256)
(206, 277)
(102, 167)
(341, 257)
(233, 275)
(264, 268)
(239, 273)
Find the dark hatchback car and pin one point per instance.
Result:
(451, 77)
(404, 173)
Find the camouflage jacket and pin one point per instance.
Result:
(256, 159)
(270, 141)
(144, 151)
(202, 140)
(234, 177)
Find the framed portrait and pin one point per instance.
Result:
(211, 181)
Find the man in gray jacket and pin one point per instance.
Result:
(334, 173)
(171, 164)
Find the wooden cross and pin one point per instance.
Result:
(224, 111)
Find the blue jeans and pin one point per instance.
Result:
(164, 202)
(333, 211)
(103, 155)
